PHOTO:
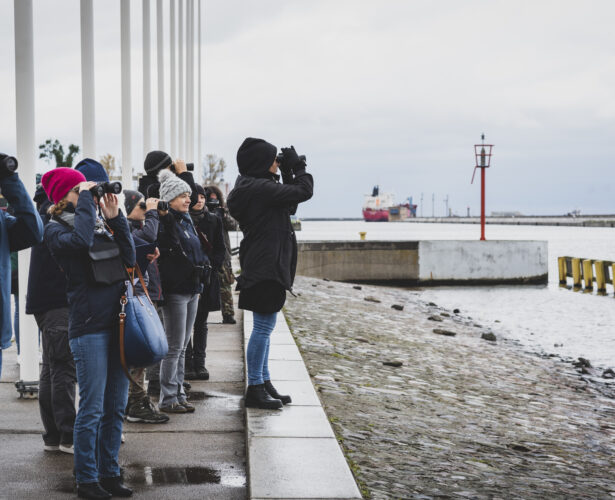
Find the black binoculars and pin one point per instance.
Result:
(103, 188)
(8, 165)
(163, 206)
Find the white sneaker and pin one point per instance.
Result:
(51, 447)
(67, 448)
(123, 438)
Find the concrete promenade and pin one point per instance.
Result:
(199, 455)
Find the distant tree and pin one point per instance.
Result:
(214, 170)
(52, 150)
(108, 163)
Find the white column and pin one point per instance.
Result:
(160, 49)
(181, 139)
(26, 154)
(189, 81)
(88, 111)
(126, 96)
(173, 77)
(199, 160)
(147, 85)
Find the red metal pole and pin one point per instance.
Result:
(482, 204)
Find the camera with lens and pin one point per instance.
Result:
(163, 206)
(103, 188)
(288, 168)
(189, 167)
(8, 165)
(212, 204)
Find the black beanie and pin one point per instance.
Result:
(255, 157)
(131, 198)
(155, 161)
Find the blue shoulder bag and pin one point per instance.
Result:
(143, 341)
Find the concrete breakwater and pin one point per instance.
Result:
(526, 220)
(426, 262)
(426, 408)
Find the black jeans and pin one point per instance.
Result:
(195, 352)
(56, 397)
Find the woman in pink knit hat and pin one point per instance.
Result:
(94, 305)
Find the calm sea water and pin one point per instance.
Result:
(539, 317)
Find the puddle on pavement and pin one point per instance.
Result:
(157, 476)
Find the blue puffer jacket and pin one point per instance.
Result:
(17, 232)
(92, 308)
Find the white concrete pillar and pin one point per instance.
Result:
(126, 96)
(88, 111)
(181, 138)
(26, 154)
(173, 79)
(199, 159)
(189, 81)
(160, 50)
(147, 85)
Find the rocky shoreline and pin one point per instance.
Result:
(429, 404)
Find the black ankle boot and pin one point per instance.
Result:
(274, 393)
(92, 490)
(115, 486)
(257, 397)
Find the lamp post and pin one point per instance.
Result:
(482, 154)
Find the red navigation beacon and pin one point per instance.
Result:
(482, 153)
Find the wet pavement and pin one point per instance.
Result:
(199, 455)
(423, 415)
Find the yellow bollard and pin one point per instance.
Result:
(588, 275)
(601, 275)
(561, 264)
(362, 235)
(576, 274)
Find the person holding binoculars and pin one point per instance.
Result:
(74, 234)
(17, 232)
(268, 251)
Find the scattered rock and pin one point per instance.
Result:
(519, 447)
(433, 304)
(361, 339)
(330, 286)
(582, 363)
(442, 331)
(357, 287)
(326, 279)
(497, 321)
(370, 298)
(397, 307)
(395, 363)
(477, 325)
(314, 284)
(446, 315)
(558, 345)
(456, 311)
(490, 336)
(435, 318)
(608, 373)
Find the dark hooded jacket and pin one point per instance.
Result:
(92, 308)
(46, 281)
(263, 206)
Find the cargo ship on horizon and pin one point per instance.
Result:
(381, 207)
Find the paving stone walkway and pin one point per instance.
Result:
(461, 417)
(199, 455)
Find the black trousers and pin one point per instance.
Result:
(195, 352)
(58, 379)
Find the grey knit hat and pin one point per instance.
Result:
(171, 186)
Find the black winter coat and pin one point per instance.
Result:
(263, 206)
(148, 231)
(46, 281)
(92, 308)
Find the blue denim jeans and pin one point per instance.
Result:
(179, 313)
(103, 393)
(258, 348)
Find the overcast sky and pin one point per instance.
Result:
(372, 92)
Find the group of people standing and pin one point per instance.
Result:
(184, 228)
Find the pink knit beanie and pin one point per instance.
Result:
(58, 182)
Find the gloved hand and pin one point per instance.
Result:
(292, 162)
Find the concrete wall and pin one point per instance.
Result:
(425, 262)
(494, 261)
